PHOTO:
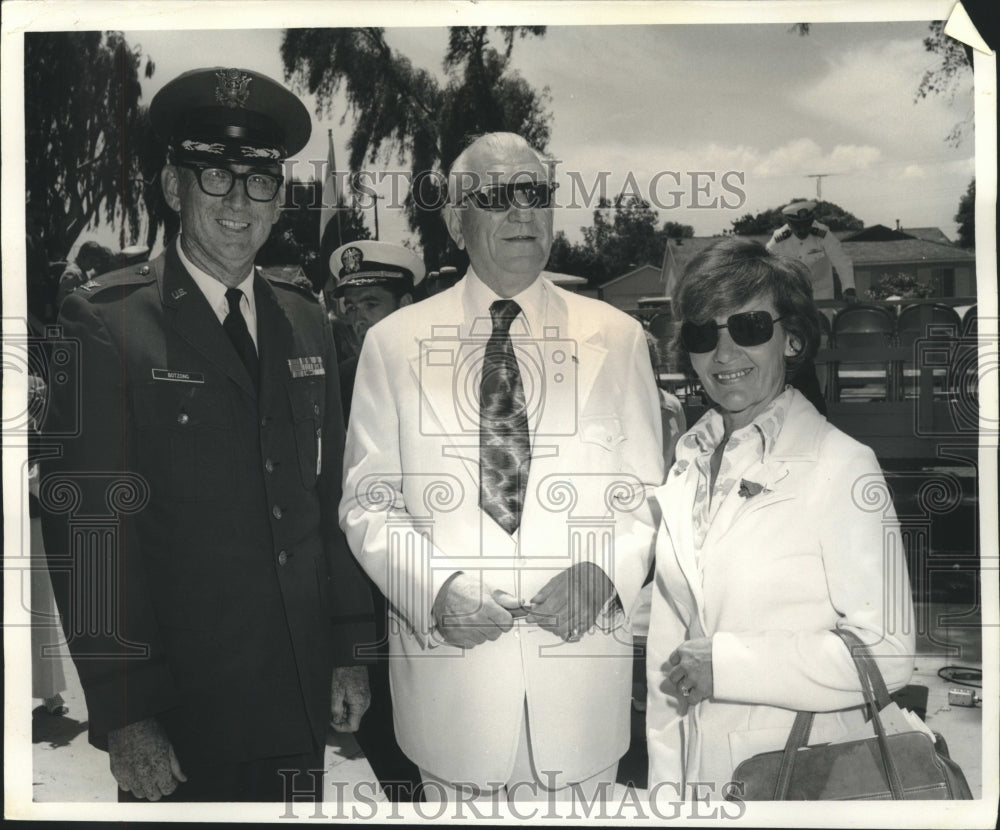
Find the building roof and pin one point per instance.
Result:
(929, 235)
(905, 251)
(876, 233)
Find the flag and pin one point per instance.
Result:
(668, 272)
(329, 232)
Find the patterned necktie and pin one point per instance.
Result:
(504, 448)
(236, 327)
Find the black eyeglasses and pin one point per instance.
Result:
(520, 194)
(218, 181)
(748, 328)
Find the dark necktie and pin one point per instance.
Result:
(236, 327)
(504, 449)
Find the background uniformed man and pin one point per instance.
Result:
(812, 242)
(207, 433)
(374, 279)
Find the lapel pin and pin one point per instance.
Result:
(180, 292)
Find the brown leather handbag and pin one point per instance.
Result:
(903, 766)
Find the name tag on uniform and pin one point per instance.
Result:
(306, 367)
(178, 377)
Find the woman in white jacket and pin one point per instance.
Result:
(776, 528)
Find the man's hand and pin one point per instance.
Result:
(143, 761)
(349, 697)
(569, 603)
(688, 671)
(467, 612)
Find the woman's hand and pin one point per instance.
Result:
(688, 671)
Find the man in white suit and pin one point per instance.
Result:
(513, 658)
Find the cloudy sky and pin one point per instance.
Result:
(764, 105)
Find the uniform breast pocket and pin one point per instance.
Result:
(306, 397)
(186, 443)
(604, 431)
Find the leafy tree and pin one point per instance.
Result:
(830, 214)
(624, 235)
(401, 111)
(899, 285)
(675, 230)
(966, 217)
(948, 76)
(294, 239)
(89, 152)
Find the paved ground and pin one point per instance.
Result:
(67, 769)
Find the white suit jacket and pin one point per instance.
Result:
(779, 570)
(411, 515)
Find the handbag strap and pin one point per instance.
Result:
(876, 697)
(864, 661)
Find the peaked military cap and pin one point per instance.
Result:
(799, 211)
(369, 262)
(233, 115)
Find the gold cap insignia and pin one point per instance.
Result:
(233, 88)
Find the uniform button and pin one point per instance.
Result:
(144, 270)
(276, 512)
(316, 408)
(263, 420)
(183, 418)
(282, 558)
(269, 465)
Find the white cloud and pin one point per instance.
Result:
(914, 171)
(870, 89)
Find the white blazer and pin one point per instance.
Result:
(821, 550)
(411, 515)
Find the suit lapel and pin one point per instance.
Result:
(194, 321)
(274, 338)
(675, 498)
(447, 405)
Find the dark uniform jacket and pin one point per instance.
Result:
(192, 526)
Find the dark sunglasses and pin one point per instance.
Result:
(512, 194)
(748, 328)
(219, 181)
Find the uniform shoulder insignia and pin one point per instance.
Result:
(820, 232)
(133, 275)
(782, 235)
(298, 283)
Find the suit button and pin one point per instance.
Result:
(183, 418)
(269, 465)
(282, 558)
(276, 512)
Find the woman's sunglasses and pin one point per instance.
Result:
(748, 328)
(512, 194)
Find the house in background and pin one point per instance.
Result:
(625, 291)
(923, 253)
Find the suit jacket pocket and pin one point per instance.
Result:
(603, 430)
(186, 441)
(306, 397)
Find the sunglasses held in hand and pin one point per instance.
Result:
(519, 194)
(748, 328)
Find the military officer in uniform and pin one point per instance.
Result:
(374, 279)
(216, 622)
(812, 242)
